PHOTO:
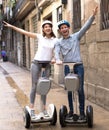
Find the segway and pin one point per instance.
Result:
(43, 87)
(72, 84)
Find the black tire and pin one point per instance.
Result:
(89, 114)
(54, 120)
(27, 119)
(62, 115)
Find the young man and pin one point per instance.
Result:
(69, 47)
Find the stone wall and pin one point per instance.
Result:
(95, 53)
(97, 73)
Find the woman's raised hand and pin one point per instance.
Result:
(6, 24)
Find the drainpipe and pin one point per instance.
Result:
(1, 19)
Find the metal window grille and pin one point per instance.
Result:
(24, 48)
(104, 8)
(28, 45)
(59, 13)
(35, 28)
(76, 14)
(11, 40)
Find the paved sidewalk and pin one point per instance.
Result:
(20, 80)
(10, 110)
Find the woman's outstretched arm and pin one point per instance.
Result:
(22, 31)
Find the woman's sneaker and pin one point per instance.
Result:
(33, 114)
(45, 113)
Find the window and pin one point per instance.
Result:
(76, 14)
(59, 13)
(28, 45)
(24, 48)
(11, 40)
(34, 24)
(35, 30)
(104, 7)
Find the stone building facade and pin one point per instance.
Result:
(94, 45)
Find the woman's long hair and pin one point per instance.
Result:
(52, 33)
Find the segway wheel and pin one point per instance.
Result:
(62, 115)
(89, 114)
(27, 119)
(54, 119)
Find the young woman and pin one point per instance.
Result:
(43, 57)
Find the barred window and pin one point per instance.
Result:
(59, 13)
(76, 14)
(35, 30)
(104, 7)
(34, 23)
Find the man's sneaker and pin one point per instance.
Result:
(70, 115)
(45, 113)
(33, 114)
(82, 118)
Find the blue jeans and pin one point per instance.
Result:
(78, 69)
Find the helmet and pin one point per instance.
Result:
(47, 22)
(63, 22)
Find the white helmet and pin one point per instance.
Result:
(47, 22)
